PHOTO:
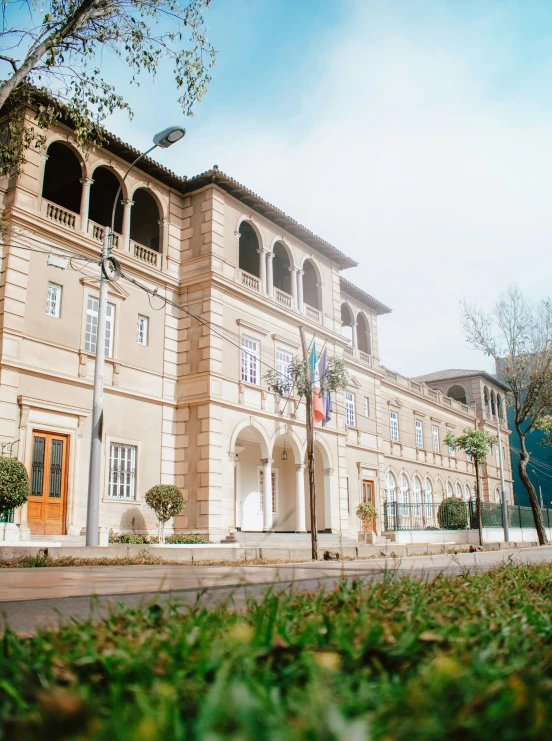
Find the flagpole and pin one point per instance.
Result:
(310, 450)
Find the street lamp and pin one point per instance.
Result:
(163, 139)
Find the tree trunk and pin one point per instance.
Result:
(478, 503)
(161, 532)
(526, 481)
(310, 455)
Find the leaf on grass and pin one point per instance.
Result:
(428, 637)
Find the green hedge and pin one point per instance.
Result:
(452, 514)
(176, 538)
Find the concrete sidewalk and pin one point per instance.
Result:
(30, 598)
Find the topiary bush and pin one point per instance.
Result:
(452, 514)
(14, 484)
(166, 501)
(366, 513)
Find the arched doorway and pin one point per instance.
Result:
(364, 343)
(322, 475)
(458, 393)
(249, 258)
(281, 269)
(311, 294)
(62, 175)
(102, 197)
(250, 449)
(347, 322)
(144, 220)
(286, 457)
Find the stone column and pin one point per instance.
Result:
(164, 241)
(267, 493)
(127, 206)
(354, 338)
(262, 271)
(294, 289)
(85, 203)
(328, 473)
(269, 274)
(300, 291)
(300, 497)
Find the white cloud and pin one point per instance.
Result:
(409, 152)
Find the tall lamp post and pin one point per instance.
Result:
(163, 139)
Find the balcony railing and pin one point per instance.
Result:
(349, 350)
(249, 281)
(60, 215)
(312, 313)
(97, 232)
(149, 256)
(365, 358)
(283, 297)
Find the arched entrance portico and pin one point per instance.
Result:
(253, 464)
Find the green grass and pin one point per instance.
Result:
(460, 658)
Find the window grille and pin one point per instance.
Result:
(122, 471)
(394, 426)
(428, 500)
(261, 489)
(419, 434)
(91, 335)
(390, 487)
(349, 409)
(250, 360)
(142, 330)
(53, 300)
(283, 368)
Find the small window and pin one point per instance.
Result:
(451, 450)
(394, 426)
(366, 406)
(142, 330)
(419, 434)
(435, 436)
(53, 300)
(497, 455)
(92, 327)
(274, 486)
(283, 368)
(349, 408)
(250, 360)
(468, 456)
(122, 471)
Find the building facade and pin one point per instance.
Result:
(185, 398)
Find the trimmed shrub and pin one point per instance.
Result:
(129, 538)
(367, 513)
(166, 501)
(183, 539)
(452, 514)
(14, 484)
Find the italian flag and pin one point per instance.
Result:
(317, 401)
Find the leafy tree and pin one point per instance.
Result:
(518, 335)
(452, 514)
(477, 445)
(61, 46)
(366, 513)
(14, 484)
(334, 378)
(166, 501)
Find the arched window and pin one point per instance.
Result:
(281, 268)
(310, 285)
(102, 197)
(449, 492)
(458, 393)
(467, 493)
(364, 343)
(428, 501)
(493, 403)
(459, 491)
(62, 176)
(347, 322)
(390, 487)
(403, 495)
(486, 400)
(144, 220)
(500, 406)
(249, 259)
(498, 497)
(417, 502)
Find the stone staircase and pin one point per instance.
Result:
(326, 541)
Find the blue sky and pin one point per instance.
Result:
(415, 135)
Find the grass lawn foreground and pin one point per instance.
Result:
(467, 657)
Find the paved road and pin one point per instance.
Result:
(31, 598)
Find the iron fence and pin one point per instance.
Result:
(424, 516)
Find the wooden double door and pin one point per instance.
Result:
(48, 498)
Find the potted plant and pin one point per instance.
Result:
(366, 513)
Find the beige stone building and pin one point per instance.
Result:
(185, 401)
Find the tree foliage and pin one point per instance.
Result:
(165, 500)
(335, 378)
(518, 336)
(14, 484)
(61, 47)
(475, 443)
(367, 513)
